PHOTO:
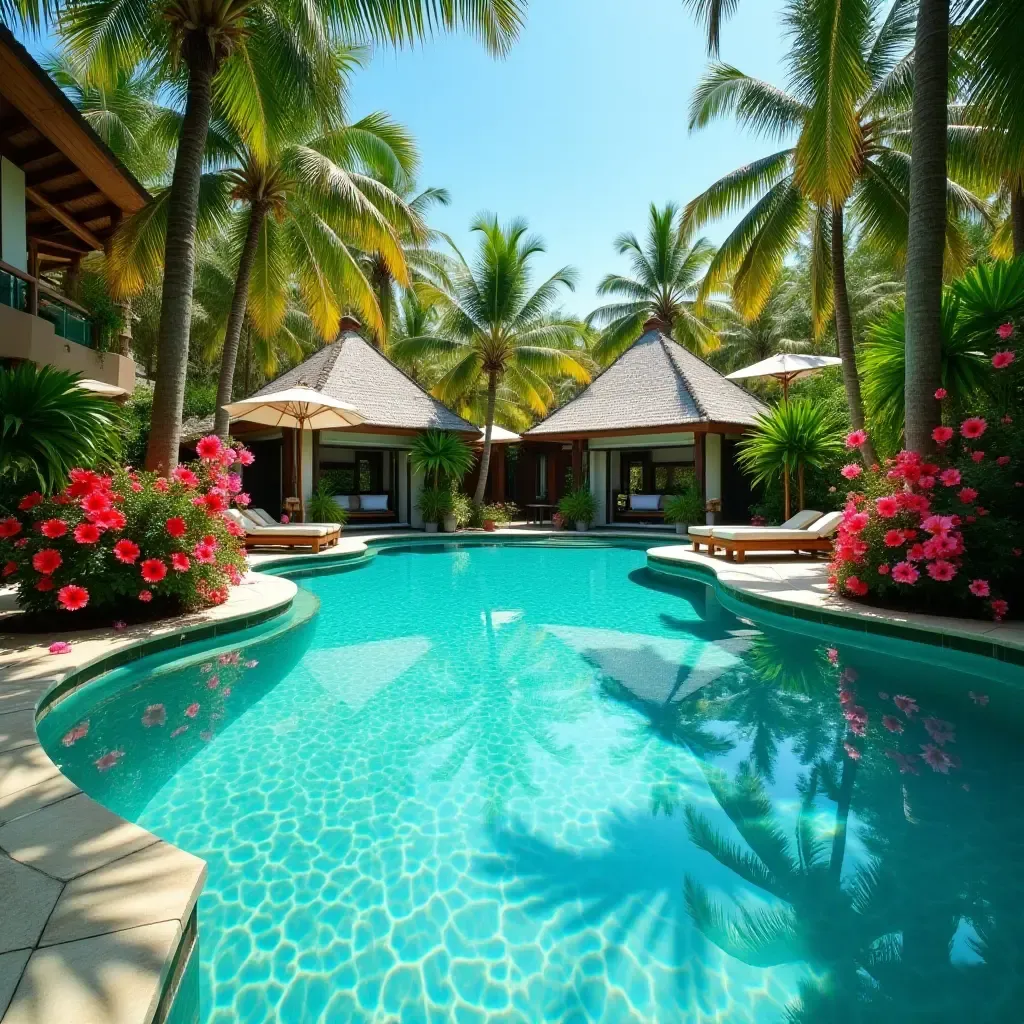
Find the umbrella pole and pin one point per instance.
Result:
(302, 499)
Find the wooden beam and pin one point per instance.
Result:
(52, 172)
(69, 195)
(45, 242)
(63, 217)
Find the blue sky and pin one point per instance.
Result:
(579, 128)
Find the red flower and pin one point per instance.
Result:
(145, 596)
(852, 471)
(83, 482)
(87, 533)
(883, 569)
(1001, 360)
(96, 501)
(153, 570)
(53, 528)
(856, 438)
(180, 562)
(940, 435)
(184, 475)
(1003, 460)
(209, 448)
(973, 428)
(893, 538)
(246, 457)
(73, 597)
(112, 519)
(941, 570)
(950, 477)
(856, 522)
(1005, 331)
(887, 506)
(47, 561)
(967, 494)
(176, 526)
(10, 568)
(160, 484)
(904, 572)
(126, 551)
(856, 586)
(243, 500)
(215, 500)
(205, 554)
(9, 527)
(977, 456)
(1000, 608)
(234, 529)
(941, 393)
(30, 501)
(979, 588)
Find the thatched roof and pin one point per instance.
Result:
(654, 384)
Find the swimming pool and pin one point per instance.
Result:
(542, 783)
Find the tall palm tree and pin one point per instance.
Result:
(495, 331)
(667, 269)
(847, 110)
(263, 62)
(307, 214)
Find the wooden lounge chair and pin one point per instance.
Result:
(262, 518)
(736, 541)
(299, 535)
(798, 522)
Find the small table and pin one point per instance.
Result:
(536, 513)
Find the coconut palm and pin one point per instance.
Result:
(792, 436)
(848, 111)
(441, 453)
(495, 331)
(264, 63)
(666, 269)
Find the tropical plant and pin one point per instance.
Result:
(434, 503)
(465, 512)
(127, 541)
(48, 424)
(578, 506)
(848, 108)
(685, 508)
(666, 272)
(792, 436)
(322, 507)
(500, 512)
(495, 331)
(264, 64)
(442, 454)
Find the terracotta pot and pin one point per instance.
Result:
(489, 525)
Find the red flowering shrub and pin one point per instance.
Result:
(108, 543)
(940, 534)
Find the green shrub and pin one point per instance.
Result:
(434, 503)
(442, 455)
(578, 506)
(499, 512)
(322, 508)
(687, 507)
(465, 512)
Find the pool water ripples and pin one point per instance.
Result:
(534, 783)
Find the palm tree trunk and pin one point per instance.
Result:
(785, 491)
(485, 458)
(845, 798)
(257, 214)
(927, 237)
(247, 366)
(180, 260)
(844, 331)
(1017, 220)
(800, 483)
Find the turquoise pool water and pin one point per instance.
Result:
(541, 783)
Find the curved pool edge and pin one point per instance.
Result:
(103, 925)
(749, 590)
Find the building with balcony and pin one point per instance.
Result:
(62, 195)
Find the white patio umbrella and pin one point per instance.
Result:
(786, 367)
(300, 408)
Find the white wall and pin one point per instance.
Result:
(713, 466)
(417, 486)
(599, 485)
(13, 238)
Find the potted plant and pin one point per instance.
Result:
(684, 509)
(322, 507)
(557, 521)
(462, 513)
(447, 458)
(496, 515)
(578, 507)
(434, 503)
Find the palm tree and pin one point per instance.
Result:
(441, 453)
(848, 111)
(265, 63)
(307, 214)
(495, 331)
(792, 436)
(666, 273)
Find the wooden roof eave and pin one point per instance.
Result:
(700, 427)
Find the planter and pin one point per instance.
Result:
(710, 518)
(430, 527)
(450, 523)
(681, 528)
(489, 526)
(581, 526)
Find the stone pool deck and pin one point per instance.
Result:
(98, 914)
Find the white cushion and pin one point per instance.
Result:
(801, 520)
(760, 533)
(644, 502)
(373, 502)
(826, 525)
(699, 531)
(259, 516)
(343, 501)
(290, 530)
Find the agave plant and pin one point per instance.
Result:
(49, 425)
(793, 436)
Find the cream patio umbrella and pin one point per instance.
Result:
(300, 408)
(785, 367)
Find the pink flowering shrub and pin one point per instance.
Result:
(943, 533)
(109, 544)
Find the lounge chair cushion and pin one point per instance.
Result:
(826, 525)
(373, 502)
(699, 531)
(290, 530)
(761, 533)
(263, 518)
(644, 502)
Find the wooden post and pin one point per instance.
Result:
(577, 464)
(553, 477)
(699, 467)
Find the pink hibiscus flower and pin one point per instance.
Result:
(60, 647)
(833, 655)
(979, 588)
(950, 477)
(941, 570)
(856, 586)
(973, 428)
(145, 596)
(856, 438)
(1005, 331)
(942, 435)
(180, 562)
(967, 495)
(209, 448)
(887, 506)
(1001, 360)
(53, 528)
(940, 731)
(73, 598)
(904, 572)
(87, 533)
(852, 471)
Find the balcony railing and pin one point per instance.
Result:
(71, 321)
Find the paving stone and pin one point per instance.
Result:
(24, 767)
(32, 798)
(27, 897)
(11, 966)
(17, 729)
